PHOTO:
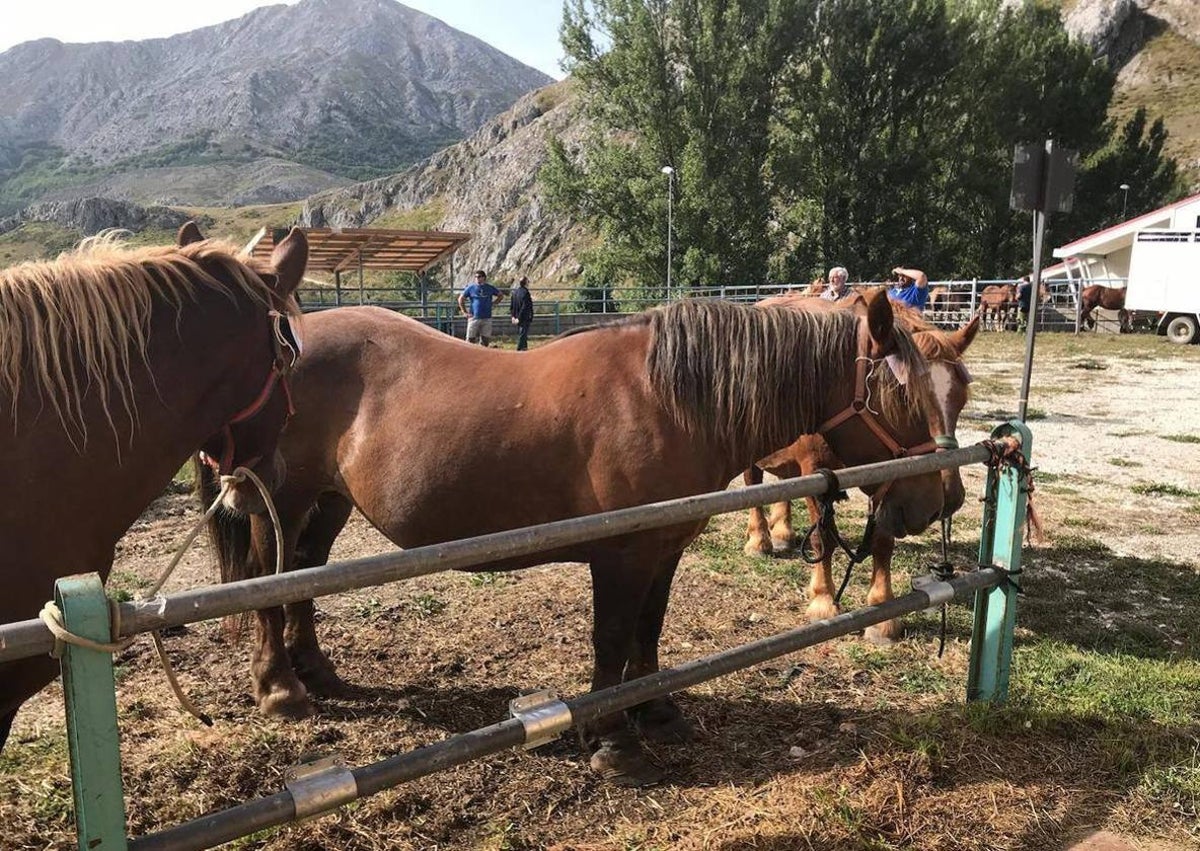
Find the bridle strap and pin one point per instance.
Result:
(864, 364)
(287, 353)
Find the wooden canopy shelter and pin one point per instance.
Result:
(339, 250)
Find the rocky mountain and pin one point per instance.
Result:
(1155, 45)
(89, 216)
(281, 102)
(485, 185)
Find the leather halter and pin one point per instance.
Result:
(287, 352)
(864, 366)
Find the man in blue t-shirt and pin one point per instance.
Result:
(911, 288)
(483, 296)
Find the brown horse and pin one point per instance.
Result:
(1109, 298)
(998, 306)
(115, 365)
(434, 440)
(950, 379)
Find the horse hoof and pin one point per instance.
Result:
(822, 607)
(663, 724)
(885, 634)
(757, 548)
(286, 705)
(782, 545)
(625, 767)
(324, 683)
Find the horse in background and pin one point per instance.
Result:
(393, 419)
(817, 286)
(116, 364)
(950, 379)
(1109, 298)
(998, 306)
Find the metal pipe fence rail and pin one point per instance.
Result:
(33, 638)
(89, 689)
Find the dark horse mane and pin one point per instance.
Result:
(754, 379)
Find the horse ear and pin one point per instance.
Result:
(189, 233)
(289, 259)
(881, 323)
(964, 336)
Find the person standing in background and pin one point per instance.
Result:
(911, 288)
(520, 307)
(482, 297)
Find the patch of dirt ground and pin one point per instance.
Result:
(843, 746)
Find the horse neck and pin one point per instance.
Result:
(199, 369)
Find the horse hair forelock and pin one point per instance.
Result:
(755, 379)
(78, 324)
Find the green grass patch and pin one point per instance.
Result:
(1124, 462)
(1164, 489)
(1182, 438)
(1113, 687)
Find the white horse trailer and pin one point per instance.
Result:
(1164, 276)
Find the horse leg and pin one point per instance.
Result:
(619, 592)
(277, 689)
(659, 720)
(757, 540)
(882, 547)
(309, 662)
(820, 585)
(783, 535)
(6, 722)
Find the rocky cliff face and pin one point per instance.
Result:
(91, 215)
(1155, 46)
(485, 185)
(349, 87)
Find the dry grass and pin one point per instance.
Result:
(844, 746)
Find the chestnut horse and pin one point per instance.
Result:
(115, 365)
(949, 378)
(433, 440)
(1109, 298)
(998, 306)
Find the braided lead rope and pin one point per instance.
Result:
(52, 616)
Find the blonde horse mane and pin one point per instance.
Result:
(77, 324)
(755, 379)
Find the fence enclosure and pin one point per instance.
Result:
(88, 680)
(558, 309)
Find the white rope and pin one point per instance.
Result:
(52, 616)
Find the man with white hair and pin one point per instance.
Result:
(838, 289)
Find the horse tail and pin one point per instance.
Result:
(229, 532)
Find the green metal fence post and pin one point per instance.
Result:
(999, 544)
(90, 694)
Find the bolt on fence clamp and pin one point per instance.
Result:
(319, 785)
(543, 715)
(937, 590)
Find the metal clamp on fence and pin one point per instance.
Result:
(320, 785)
(543, 715)
(937, 590)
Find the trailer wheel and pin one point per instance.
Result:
(1182, 329)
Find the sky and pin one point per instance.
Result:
(524, 29)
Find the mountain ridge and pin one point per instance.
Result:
(347, 88)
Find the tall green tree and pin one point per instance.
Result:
(859, 135)
(688, 84)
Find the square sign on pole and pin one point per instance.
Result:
(1027, 177)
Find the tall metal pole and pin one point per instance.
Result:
(1039, 231)
(1124, 200)
(670, 173)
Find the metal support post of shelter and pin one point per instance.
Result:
(1000, 538)
(89, 691)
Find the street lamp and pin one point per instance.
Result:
(670, 173)
(1124, 187)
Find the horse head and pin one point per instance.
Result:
(888, 413)
(269, 351)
